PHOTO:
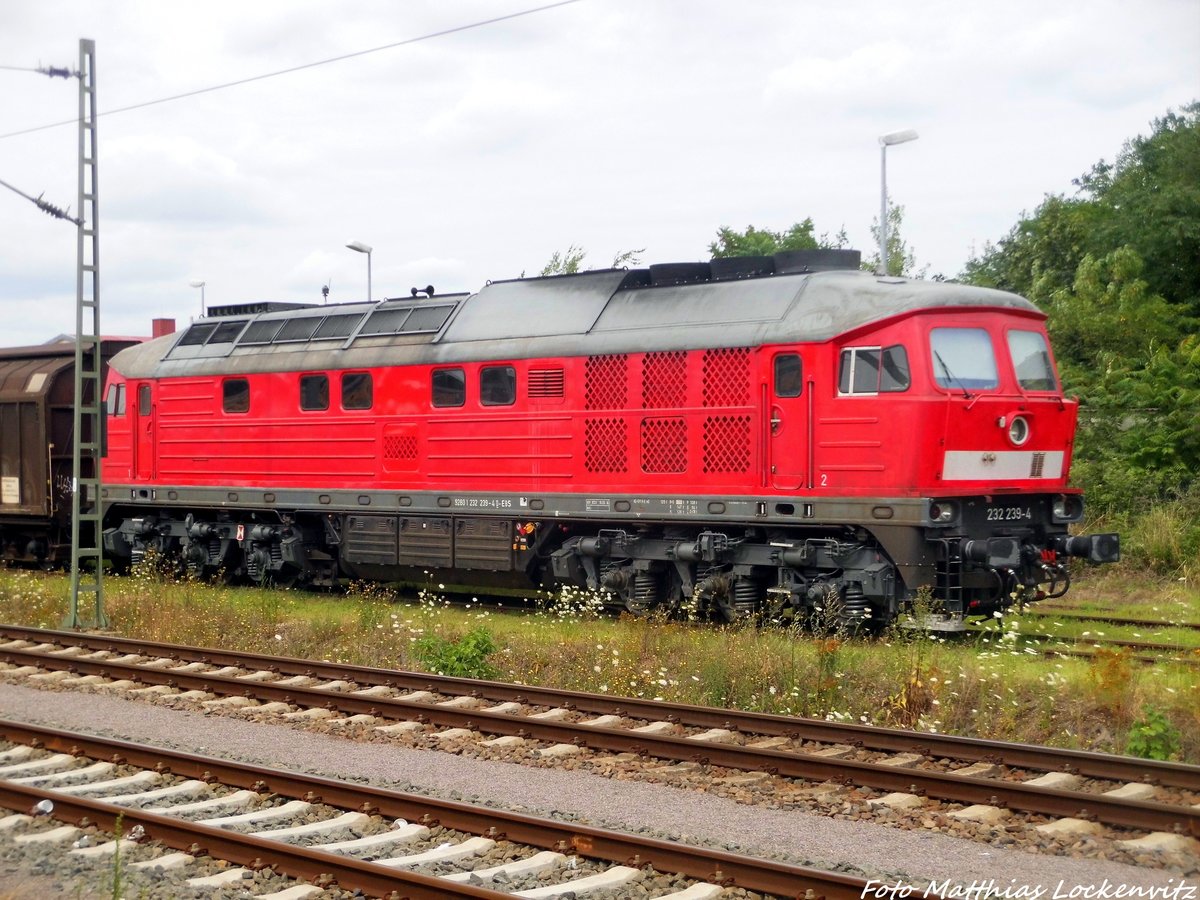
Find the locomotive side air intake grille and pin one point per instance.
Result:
(607, 382)
(727, 377)
(604, 444)
(664, 445)
(727, 444)
(664, 380)
(399, 446)
(546, 383)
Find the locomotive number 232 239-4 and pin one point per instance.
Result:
(1009, 513)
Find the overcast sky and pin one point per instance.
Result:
(608, 124)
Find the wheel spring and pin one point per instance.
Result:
(645, 590)
(745, 596)
(854, 604)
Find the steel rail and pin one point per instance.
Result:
(788, 764)
(1052, 613)
(1077, 653)
(1085, 763)
(254, 853)
(1071, 641)
(715, 866)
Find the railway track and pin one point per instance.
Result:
(1151, 652)
(208, 822)
(902, 769)
(1044, 612)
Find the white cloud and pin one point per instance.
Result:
(610, 124)
(872, 68)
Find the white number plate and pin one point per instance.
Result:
(1010, 514)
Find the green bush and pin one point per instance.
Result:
(1153, 737)
(463, 658)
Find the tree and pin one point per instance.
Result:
(1148, 200)
(901, 260)
(1117, 270)
(569, 261)
(762, 242)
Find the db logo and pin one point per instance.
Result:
(241, 532)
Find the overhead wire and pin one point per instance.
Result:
(322, 62)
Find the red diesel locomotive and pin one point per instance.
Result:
(752, 436)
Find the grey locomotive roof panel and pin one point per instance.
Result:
(535, 307)
(578, 315)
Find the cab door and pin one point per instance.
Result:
(787, 422)
(143, 429)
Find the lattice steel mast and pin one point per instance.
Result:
(87, 564)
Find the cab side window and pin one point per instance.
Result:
(115, 401)
(789, 375)
(873, 370)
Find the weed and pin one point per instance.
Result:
(995, 687)
(917, 696)
(1110, 673)
(118, 864)
(466, 657)
(1153, 737)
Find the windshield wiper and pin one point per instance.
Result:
(950, 375)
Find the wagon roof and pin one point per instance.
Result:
(598, 312)
(27, 372)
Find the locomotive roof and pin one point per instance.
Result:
(597, 312)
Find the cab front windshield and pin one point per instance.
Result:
(963, 359)
(1031, 359)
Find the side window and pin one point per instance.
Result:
(873, 370)
(314, 392)
(115, 401)
(357, 390)
(893, 375)
(497, 386)
(235, 395)
(789, 375)
(449, 387)
(143, 399)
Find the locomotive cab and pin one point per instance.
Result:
(997, 464)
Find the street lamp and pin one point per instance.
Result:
(363, 248)
(885, 141)
(199, 284)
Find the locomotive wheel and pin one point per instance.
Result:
(288, 578)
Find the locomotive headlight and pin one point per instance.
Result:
(943, 512)
(1067, 508)
(1018, 429)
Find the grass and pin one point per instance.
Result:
(986, 685)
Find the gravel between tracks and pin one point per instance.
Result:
(871, 850)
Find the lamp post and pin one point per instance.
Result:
(199, 284)
(885, 141)
(363, 248)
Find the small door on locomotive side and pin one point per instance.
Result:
(788, 451)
